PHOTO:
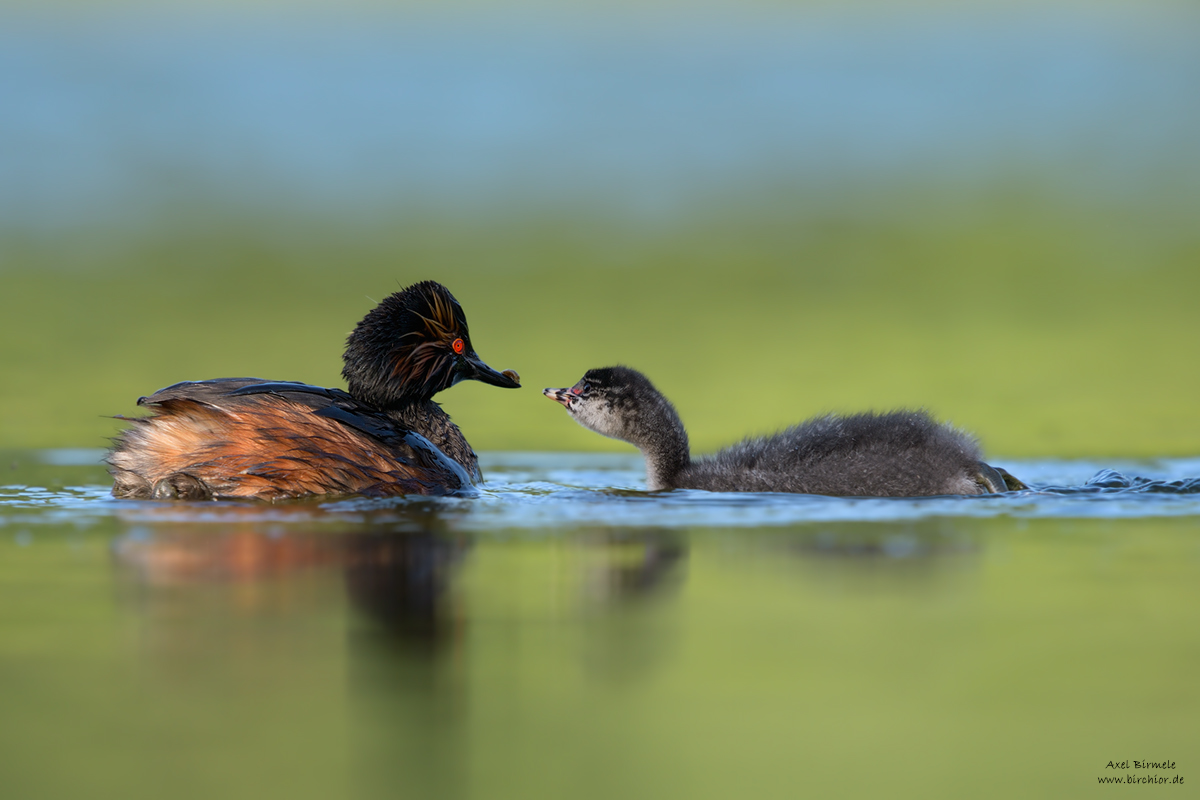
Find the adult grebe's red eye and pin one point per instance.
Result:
(458, 346)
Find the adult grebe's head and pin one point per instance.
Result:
(413, 345)
(612, 401)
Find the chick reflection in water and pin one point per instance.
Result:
(632, 564)
(630, 580)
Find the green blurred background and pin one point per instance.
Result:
(778, 210)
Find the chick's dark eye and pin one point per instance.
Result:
(458, 346)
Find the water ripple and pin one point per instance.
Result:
(562, 491)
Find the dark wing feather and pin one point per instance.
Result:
(292, 390)
(425, 450)
(207, 392)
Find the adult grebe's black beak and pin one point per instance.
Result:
(472, 368)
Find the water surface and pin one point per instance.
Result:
(565, 634)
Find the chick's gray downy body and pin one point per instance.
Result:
(895, 454)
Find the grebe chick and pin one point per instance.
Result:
(245, 437)
(896, 454)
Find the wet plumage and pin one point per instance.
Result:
(895, 454)
(245, 437)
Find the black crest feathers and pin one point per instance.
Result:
(403, 350)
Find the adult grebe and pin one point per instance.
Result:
(245, 437)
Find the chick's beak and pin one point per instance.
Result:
(559, 396)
